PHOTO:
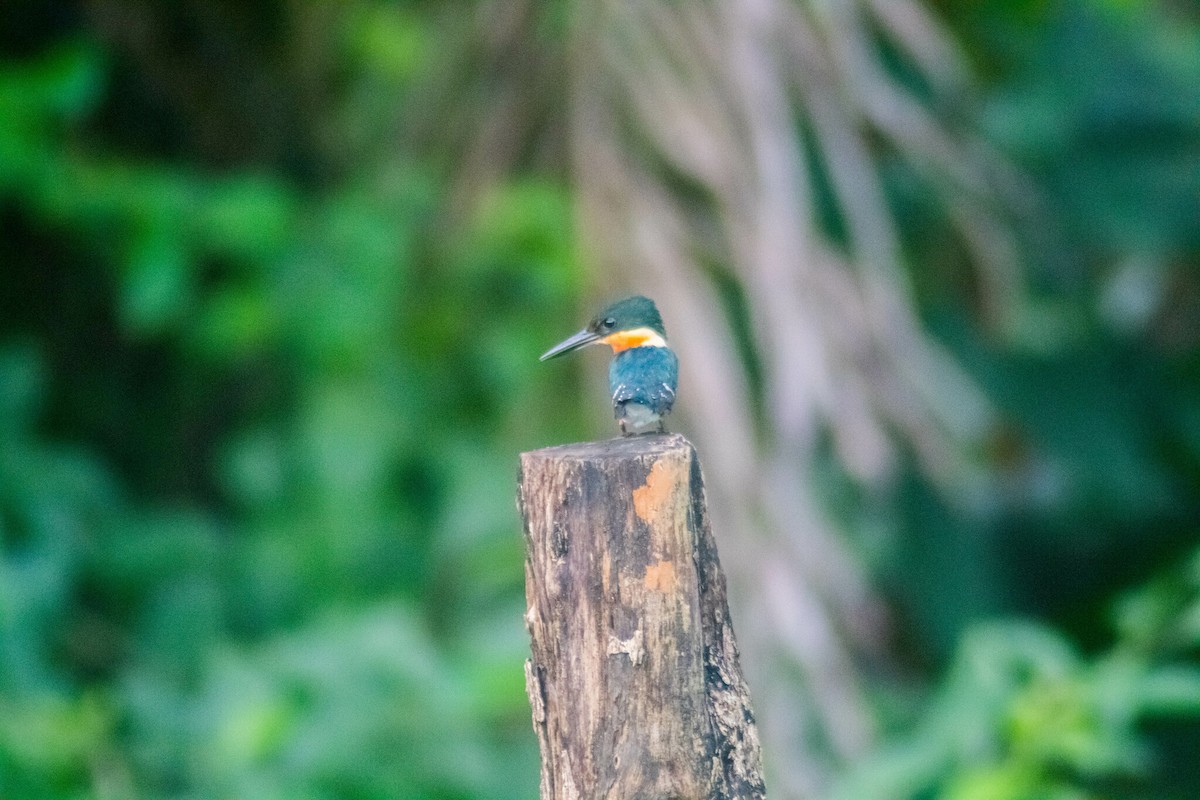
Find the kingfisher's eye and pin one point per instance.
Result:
(609, 323)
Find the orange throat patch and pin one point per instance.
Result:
(638, 337)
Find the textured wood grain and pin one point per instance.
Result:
(634, 678)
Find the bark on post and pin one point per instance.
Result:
(634, 680)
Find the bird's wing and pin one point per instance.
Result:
(648, 378)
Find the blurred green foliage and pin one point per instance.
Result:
(1021, 714)
(258, 437)
(262, 382)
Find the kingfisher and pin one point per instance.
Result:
(644, 372)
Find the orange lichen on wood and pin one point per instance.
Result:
(660, 577)
(651, 497)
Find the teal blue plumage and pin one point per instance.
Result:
(647, 376)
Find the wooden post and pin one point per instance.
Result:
(634, 681)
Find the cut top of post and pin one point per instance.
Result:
(651, 446)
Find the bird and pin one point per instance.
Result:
(644, 372)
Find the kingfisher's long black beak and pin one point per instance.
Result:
(581, 339)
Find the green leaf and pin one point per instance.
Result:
(156, 287)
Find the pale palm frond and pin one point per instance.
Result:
(694, 132)
(693, 170)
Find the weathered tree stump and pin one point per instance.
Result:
(634, 681)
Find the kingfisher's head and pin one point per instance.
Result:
(632, 322)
